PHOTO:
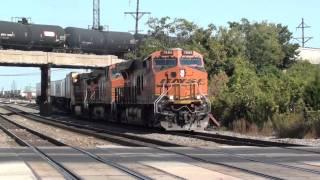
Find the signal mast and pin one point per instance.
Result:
(96, 15)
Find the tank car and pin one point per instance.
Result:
(98, 42)
(25, 36)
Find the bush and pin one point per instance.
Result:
(290, 125)
(312, 93)
(313, 121)
(243, 126)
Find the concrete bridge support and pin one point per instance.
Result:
(45, 101)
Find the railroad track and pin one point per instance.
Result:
(139, 141)
(115, 137)
(21, 135)
(217, 138)
(26, 136)
(231, 140)
(33, 106)
(33, 140)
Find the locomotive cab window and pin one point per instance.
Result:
(147, 63)
(115, 74)
(164, 63)
(191, 61)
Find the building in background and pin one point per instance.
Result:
(310, 54)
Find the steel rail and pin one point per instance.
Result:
(230, 140)
(94, 156)
(147, 144)
(58, 166)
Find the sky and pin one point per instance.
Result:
(78, 13)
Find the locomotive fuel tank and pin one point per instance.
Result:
(98, 42)
(24, 36)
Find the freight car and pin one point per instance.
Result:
(168, 89)
(98, 42)
(25, 36)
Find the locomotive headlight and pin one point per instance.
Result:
(198, 97)
(171, 98)
(182, 73)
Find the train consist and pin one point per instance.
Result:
(168, 89)
(25, 36)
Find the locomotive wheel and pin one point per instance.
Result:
(90, 112)
(107, 114)
(77, 51)
(156, 121)
(119, 113)
(123, 118)
(71, 108)
(148, 116)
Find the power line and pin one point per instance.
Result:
(137, 15)
(303, 39)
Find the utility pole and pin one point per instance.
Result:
(96, 15)
(13, 88)
(303, 39)
(137, 16)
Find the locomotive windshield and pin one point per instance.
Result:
(191, 61)
(163, 63)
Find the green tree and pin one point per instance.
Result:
(267, 43)
(289, 49)
(312, 93)
(263, 46)
(243, 99)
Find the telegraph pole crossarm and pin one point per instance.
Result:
(137, 15)
(303, 39)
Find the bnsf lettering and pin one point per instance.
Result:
(181, 81)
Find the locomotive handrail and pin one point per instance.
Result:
(160, 97)
(206, 98)
(85, 100)
(171, 85)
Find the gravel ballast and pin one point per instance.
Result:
(306, 142)
(6, 141)
(70, 138)
(182, 141)
(185, 141)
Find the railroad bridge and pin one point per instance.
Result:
(48, 60)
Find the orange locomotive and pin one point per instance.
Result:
(168, 89)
